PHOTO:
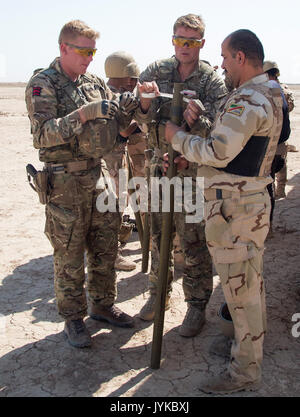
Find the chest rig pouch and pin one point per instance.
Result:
(165, 78)
(98, 136)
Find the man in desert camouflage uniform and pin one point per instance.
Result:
(75, 120)
(271, 68)
(123, 73)
(185, 67)
(235, 161)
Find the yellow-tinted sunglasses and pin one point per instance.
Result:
(82, 50)
(191, 43)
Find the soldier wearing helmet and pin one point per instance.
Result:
(272, 69)
(123, 73)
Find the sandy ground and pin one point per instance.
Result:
(36, 360)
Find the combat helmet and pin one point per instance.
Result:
(121, 65)
(268, 65)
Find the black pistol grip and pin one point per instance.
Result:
(31, 170)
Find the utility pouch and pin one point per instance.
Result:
(40, 182)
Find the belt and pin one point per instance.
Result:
(75, 166)
(218, 194)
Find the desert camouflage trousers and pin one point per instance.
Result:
(235, 233)
(281, 176)
(136, 147)
(197, 269)
(75, 227)
(117, 160)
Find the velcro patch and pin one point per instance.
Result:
(36, 91)
(236, 110)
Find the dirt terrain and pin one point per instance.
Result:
(36, 360)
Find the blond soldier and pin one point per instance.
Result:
(271, 68)
(198, 76)
(122, 72)
(75, 120)
(236, 161)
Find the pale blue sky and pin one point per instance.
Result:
(29, 30)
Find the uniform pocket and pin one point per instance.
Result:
(59, 226)
(218, 230)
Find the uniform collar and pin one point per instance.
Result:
(57, 66)
(259, 79)
(196, 71)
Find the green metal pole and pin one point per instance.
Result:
(166, 237)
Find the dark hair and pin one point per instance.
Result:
(247, 42)
(274, 72)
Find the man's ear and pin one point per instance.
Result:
(63, 49)
(241, 57)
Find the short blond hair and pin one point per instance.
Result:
(77, 28)
(190, 21)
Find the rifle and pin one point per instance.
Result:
(165, 243)
(146, 236)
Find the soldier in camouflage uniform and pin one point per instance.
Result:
(235, 161)
(200, 77)
(271, 68)
(123, 73)
(75, 120)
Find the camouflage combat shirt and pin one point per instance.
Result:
(253, 109)
(204, 81)
(288, 94)
(52, 99)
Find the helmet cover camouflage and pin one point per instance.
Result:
(268, 65)
(121, 65)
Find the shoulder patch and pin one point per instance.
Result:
(36, 91)
(236, 110)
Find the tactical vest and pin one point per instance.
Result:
(255, 159)
(98, 136)
(165, 79)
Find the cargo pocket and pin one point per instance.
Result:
(59, 226)
(218, 230)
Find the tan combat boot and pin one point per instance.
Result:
(77, 333)
(125, 232)
(112, 314)
(193, 322)
(292, 148)
(123, 264)
(225, 384)
(147, 313)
